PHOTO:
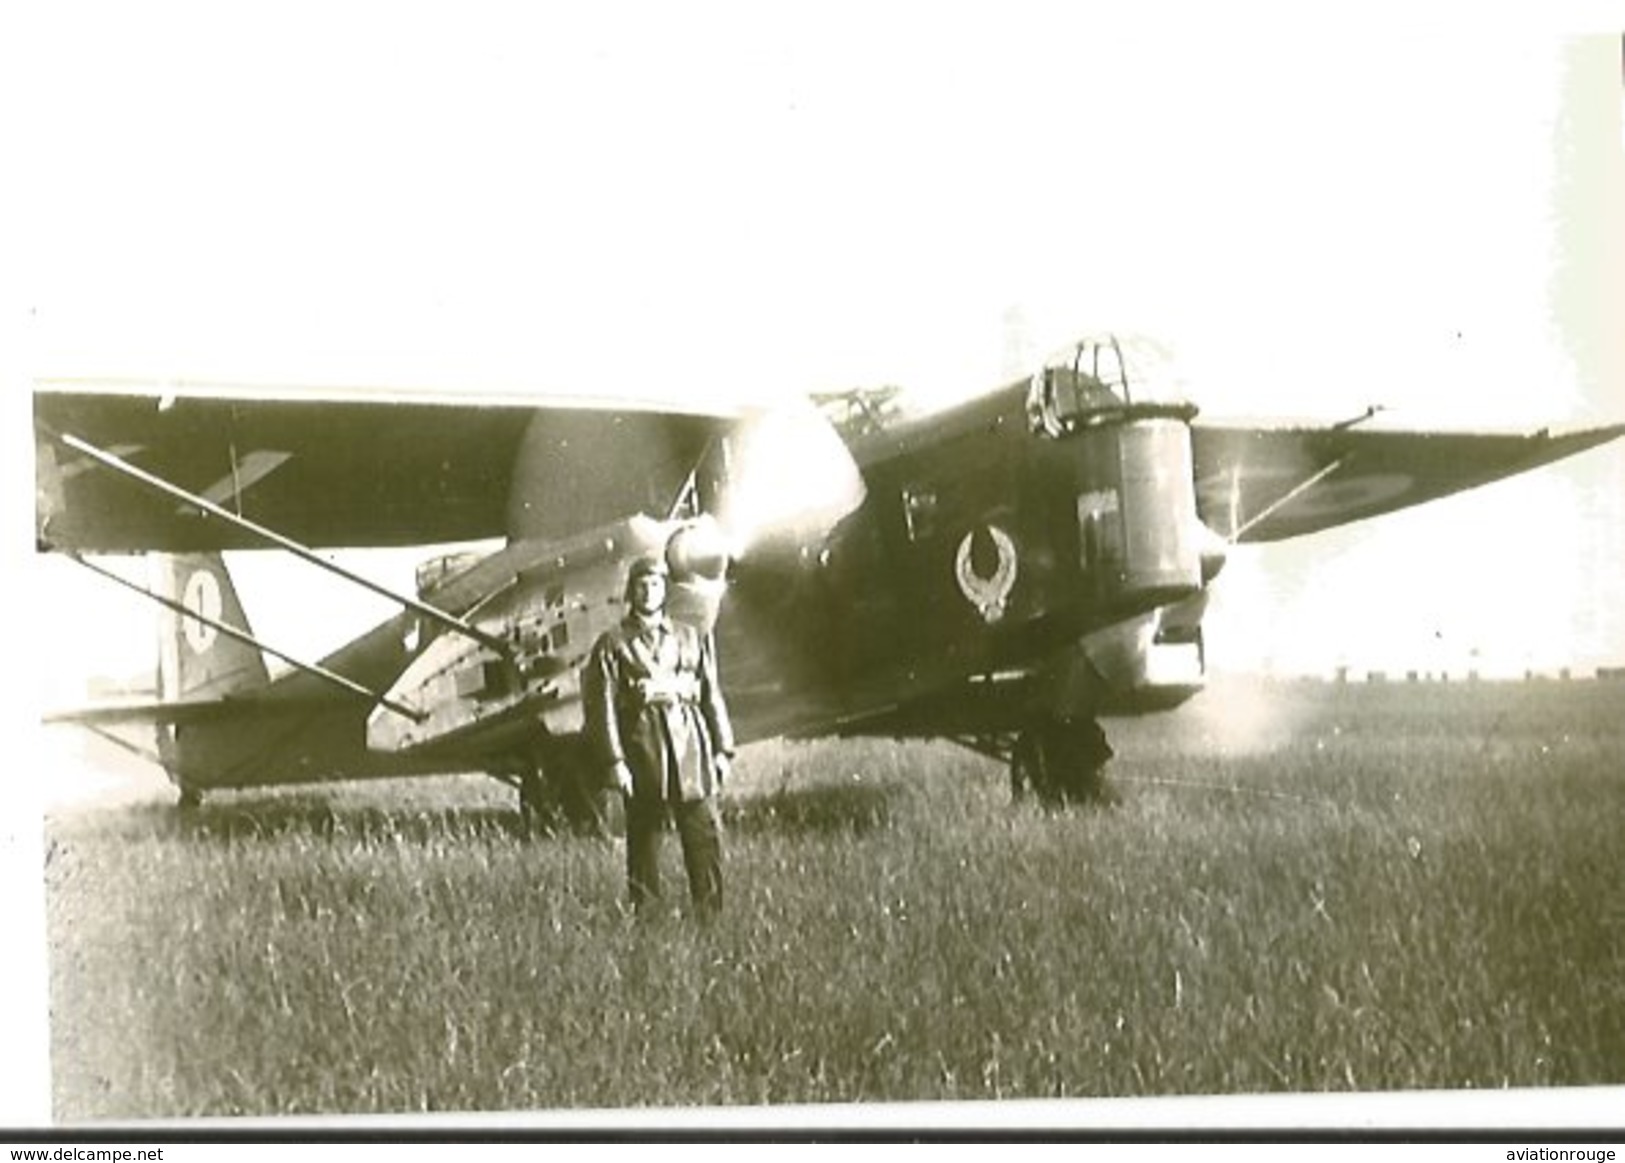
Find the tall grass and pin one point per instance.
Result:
(1409, 887)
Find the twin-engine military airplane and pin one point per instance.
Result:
(1000, 574)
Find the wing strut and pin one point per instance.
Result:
(231, 631)
(119, 465)
(1287, 498)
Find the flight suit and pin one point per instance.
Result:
(652, 701)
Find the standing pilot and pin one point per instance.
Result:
(656, 719)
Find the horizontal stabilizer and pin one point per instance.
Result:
(170, 712)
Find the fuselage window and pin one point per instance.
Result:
(919, 513)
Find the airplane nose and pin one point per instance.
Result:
(699, 550)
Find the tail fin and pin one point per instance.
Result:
(196, 660)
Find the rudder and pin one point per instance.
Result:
(195, 659)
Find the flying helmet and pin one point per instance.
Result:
(644, 566)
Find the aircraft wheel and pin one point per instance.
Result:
(585, 802)
(1033, 768)
(538, 807)
(190, 800)
(1062, 761)
(1083, 771)
(556, 791)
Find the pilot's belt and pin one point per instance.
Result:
(676, 690)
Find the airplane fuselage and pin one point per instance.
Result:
(985, 551)
(1002, 574)
(998, 567)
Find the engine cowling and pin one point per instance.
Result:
(1137, 509)
(1140, 544)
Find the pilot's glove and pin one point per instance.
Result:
(623, 778)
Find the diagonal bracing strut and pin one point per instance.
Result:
(1286, 498)
(125, 468)
(242, 636)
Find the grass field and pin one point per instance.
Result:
(1307, 888)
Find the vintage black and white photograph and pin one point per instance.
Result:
(776, 565)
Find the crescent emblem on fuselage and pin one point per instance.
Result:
(987, 594)
(202, 596)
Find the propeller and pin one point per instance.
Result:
(779, 479)
(789, 480)
(777, 483)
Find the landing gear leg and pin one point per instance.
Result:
(586, 801)
(556, 788)
(537, 808)
(1062, 761)
(1028, 772)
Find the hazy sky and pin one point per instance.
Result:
(738, 198)
(767, 199)
(733, 200)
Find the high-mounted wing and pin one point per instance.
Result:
(1267, 484)
(351, 472)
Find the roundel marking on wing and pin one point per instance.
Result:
(1335, 496)
(201, 596)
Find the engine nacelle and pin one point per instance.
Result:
(698, 555)
(699, 550)
(1137, 524)
(1140, 542)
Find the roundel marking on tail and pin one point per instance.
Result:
(201, 596)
